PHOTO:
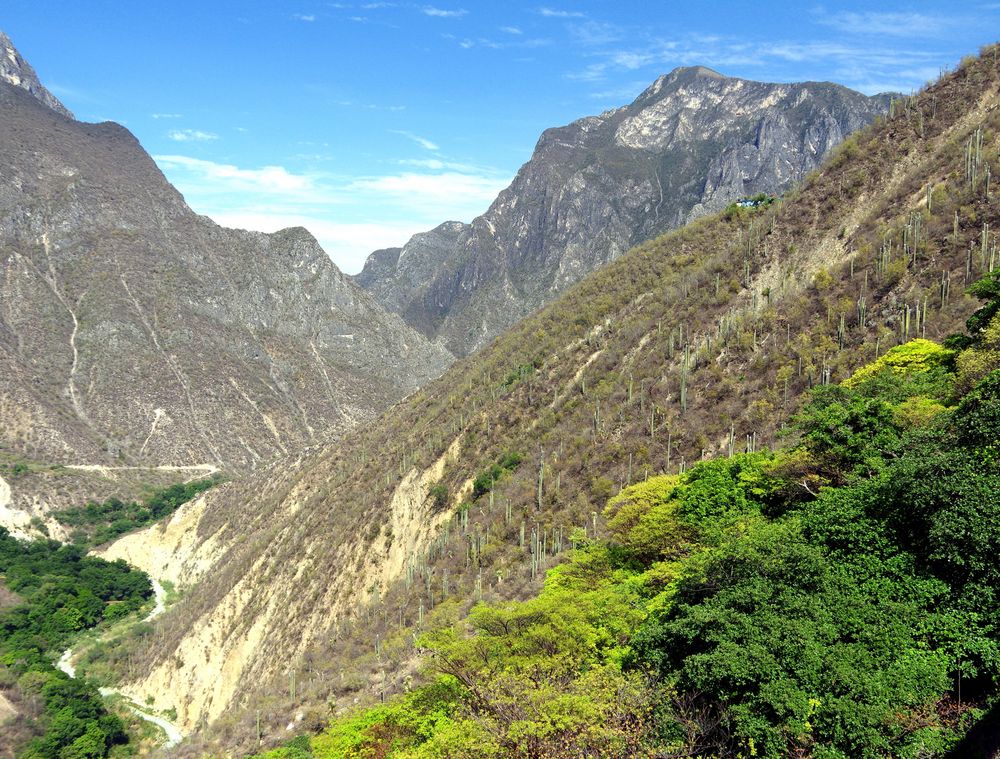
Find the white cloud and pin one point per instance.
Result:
(430, 10)
(348, 244)
(166, 115)
(511, 30)
(594, 33)
(421, 141)
(436, 164)
(304, 17)
(557, 13)
(350, 216)
(191, 135)
(631, 61)
(270, 179)
(431, 190)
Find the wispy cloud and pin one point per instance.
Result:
(430, 10)
(350, 215)
(859, 65)
(870, 23)
(421, 141)
(558, 13)
(347, 243)
(228, 177)
(595, 33)
(436, 164)
(508, 43)
(309, 17)
(191, 135)
(432, 190)
(369, 106)
(511, 30)
(166, 115)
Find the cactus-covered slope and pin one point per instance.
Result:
(690, 345)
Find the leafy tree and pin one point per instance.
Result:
(63, 591)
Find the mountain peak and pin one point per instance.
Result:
(18, 72)
(695, 71)
(681, 75)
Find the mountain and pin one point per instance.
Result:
(308, 584)
(689, 145)
(136, 332)
(18, 72)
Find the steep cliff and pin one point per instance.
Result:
(693, 142)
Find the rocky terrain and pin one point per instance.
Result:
(693, 142)
(18, 72)
(135, 332)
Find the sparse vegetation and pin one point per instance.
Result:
(827, 599)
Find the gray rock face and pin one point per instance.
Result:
(133, 330)
(18, 72)
(693, 142)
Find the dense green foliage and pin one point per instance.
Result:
(97, 523)
(485, 481)
(838, 598)
(62, 591)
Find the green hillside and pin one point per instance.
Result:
(56, 592)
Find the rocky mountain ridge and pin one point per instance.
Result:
(691, 143)
(18, 72)
(134, 331)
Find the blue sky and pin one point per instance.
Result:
(368, 121)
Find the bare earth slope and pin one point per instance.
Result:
(693, 142)
(134, 331)
(322, 567)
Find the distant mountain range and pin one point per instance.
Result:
(133, 330)
(691, 143)
(136, 331)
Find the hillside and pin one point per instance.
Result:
(690, 144)
(135, 332)
(835, 597)
(698, 343)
